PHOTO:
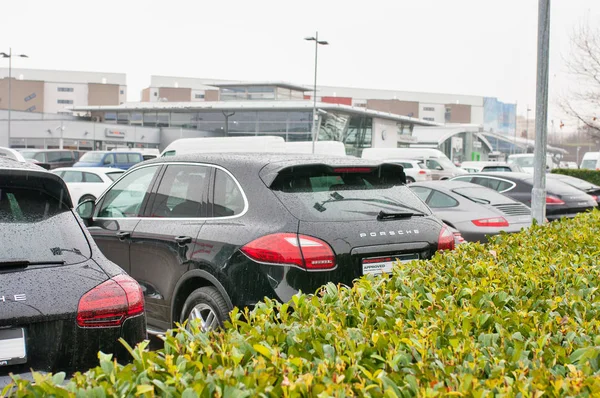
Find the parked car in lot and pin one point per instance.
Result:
(435, 160)
(203, 233)
(591, 189)
(477, 212)
(51, 158)
(526, 161)
(590, 161)
(12, 154)
(562, 200)
(119, 160)
(87, 183)
(486, 167)
(415, 170)
(61, 300)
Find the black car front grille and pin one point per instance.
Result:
(514, 209)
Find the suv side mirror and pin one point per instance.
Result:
(86, 211)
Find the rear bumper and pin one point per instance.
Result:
(62, 346)
(480, 234)
(564, 212)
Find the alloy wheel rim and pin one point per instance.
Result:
(206, 315)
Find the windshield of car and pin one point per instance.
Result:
(36, 227)
(344, 194)
(445, 163)
(523, 161)
(114, 175)
(589, 164)
(482, 195)
(33, 155)
(92, 157)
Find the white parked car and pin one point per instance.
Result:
(87, 182)
(415, 170)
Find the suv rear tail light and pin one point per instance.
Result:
(553, 200)
(491, 222)
(110, 303)
(294, 249)
(353, 170)
(422, 172)
(594, 197)
(446, 240)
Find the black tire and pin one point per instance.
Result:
(409, 180)
(206, 299)
(86, 197)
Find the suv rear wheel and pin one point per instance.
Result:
(208, 306)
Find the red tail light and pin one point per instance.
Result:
(446, 240)
(553, 200)
(110, 303)
(353, 170)
(422, 172)
(594, 197)
(285, 248)
(491, 222)
(458, 237)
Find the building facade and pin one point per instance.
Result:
(56, 92)
(357, 128)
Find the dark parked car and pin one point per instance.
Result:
(591, 189)
(51, 158)
(204, 233)
(61, 300)
(562, 200)
(475, 211)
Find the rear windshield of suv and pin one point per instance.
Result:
(344, 194)
(39, 228)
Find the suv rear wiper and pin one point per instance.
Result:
(392, 216)
(26, 263)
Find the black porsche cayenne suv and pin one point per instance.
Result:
(203, 233)
(61, 300)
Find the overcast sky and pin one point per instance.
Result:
(479, 47)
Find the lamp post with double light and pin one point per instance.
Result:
(10, 56)
(318, 42)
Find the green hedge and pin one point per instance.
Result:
(519, 316)
(592, 176)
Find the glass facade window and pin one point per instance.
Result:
(110, 117)
(136, 118)
(123, 118)
(150, 119)
(162, 119)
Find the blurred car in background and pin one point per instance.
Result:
(562, 200)
(478, 167)
(114, 159)
(415, 170)
(583, 185)
(475, 211)
(87, 182)
(51, 159)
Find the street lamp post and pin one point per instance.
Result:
(527, 122)
(10, 55)
(315, 117)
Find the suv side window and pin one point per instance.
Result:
(91, 177)
(109, 159)
(134, 158)
(228, 199)
(433, 164)
(439, 200)
(406, 165)
(72, 176)
(125, 198)
(66, 156)
(53, 157)
(182, 192)
(121, 158)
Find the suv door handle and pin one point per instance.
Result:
(183, 240)
(123, 235)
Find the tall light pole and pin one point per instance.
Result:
(10, 55)
(527, 122)
(315, 117)
(538, 194)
